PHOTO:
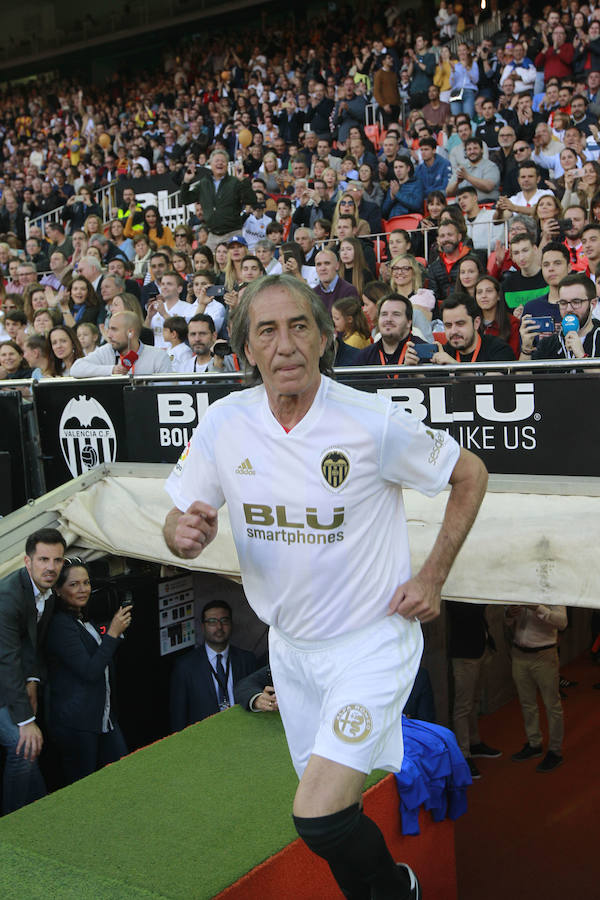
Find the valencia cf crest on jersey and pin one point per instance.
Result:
(335, 466)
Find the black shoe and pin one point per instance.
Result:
(528, 752)
(550, 762)
(475, 773)
(482, 750)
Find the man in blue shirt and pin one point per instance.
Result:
(435, 171)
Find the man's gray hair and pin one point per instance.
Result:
(219, 152)
(265, 244)
(92, 261)
(529, 223)
(119, 282)
(240, 322)
(99, 239)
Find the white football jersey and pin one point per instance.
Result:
(316, 513)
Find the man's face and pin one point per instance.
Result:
(594, 81)
(506, 137)
(322, 149)
(116, 267)
(487, 109)
(250, 270)
(390, 146)
(554, 267)
(285, 343)
(218, 165)
(217, 627)
(464, 131)
(572, 299)
(433, 93)
(200, 337)
(578, 108)
(528, 179)
(57, 263)
(473, 152)
(460, 328)
(158, 266)
(564, 97)
(128, 196)
(591, 245)
(304, 239)
(26, 276)
(170, 288)
(427, 153)
(283, 212)
(299, 169)
(108, 289)
(344, 228)
(88, 270)
(578, 218)
(519, 52)
(551, 94)
(44, 564)
(393, 323)
(349, 88)
(327, 266)
(448, 238)
(118, 333)
(522, 253)
(468, 203)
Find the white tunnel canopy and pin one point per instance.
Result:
(534, 540)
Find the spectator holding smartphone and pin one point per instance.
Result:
(82, 721)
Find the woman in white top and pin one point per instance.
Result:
(464, 77)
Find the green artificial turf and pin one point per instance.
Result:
(183, 818)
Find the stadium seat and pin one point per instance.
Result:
(409, 222)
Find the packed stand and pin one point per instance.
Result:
(476, 180)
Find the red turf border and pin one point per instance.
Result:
(298, 874)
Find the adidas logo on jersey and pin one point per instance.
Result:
(245, 468)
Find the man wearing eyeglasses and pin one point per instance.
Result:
(576, 296)
(203, 679)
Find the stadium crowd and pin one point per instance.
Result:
(476, 181)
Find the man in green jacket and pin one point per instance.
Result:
(222, 197)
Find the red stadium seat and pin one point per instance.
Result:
(409, 222)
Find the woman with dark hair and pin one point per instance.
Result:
(496, 320)
(153, 228)
(12, 362)
(435, 205)
(81, 719)
(372, 190)
(581, 185)
(372, 294)
(405, 193)
(83, 301)
(204, 260)
(64, 349)
(469, 269)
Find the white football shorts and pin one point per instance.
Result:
(342, 699)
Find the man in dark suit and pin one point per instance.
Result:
(26, 606)
(203, 680)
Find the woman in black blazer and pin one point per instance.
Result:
(81, 719)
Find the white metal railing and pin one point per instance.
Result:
(477, 33)
(105, 198)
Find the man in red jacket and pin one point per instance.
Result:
(557, 59)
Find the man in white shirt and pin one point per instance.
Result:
(90, 268)
(481, 228)
(524, 202)
(167, 304)
(309, 492)
(26, 606)
(117, 356)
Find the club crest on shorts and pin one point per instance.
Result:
(353, 723)
(335, 466)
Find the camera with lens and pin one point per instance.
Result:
(222, 349)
